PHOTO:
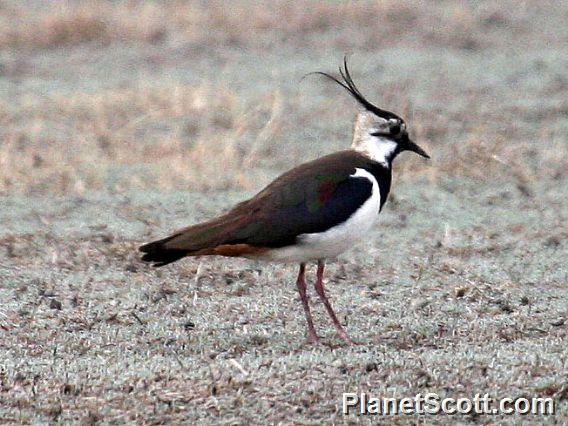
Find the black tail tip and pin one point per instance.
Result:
(156, 254)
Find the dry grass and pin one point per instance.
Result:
(171, 132)
(204, 137)
(450, 24)
(470, 301)
(60, 23)
(175, 130)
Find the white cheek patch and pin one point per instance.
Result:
(378, 149)
(384, 149)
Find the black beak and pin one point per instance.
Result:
(411, 146)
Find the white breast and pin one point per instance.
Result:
(335, 240)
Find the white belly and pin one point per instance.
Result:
(335, 240)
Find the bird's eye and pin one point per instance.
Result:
(395, 129)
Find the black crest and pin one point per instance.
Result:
(348, 84)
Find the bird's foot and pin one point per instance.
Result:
(313, 338)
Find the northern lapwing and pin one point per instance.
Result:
(313, 212)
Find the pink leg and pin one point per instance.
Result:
(321, 293)
(301, 283)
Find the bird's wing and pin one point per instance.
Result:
(311, 198)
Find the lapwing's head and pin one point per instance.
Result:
(379, 134)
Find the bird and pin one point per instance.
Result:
(311, 213)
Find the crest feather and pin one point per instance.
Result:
(348, 84)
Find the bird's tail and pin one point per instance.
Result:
(196, 240)
(159, 254)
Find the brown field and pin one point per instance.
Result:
(123, 120)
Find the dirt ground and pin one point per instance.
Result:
(122, 121)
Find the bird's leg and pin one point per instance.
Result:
(321, 293)
(301, 283)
